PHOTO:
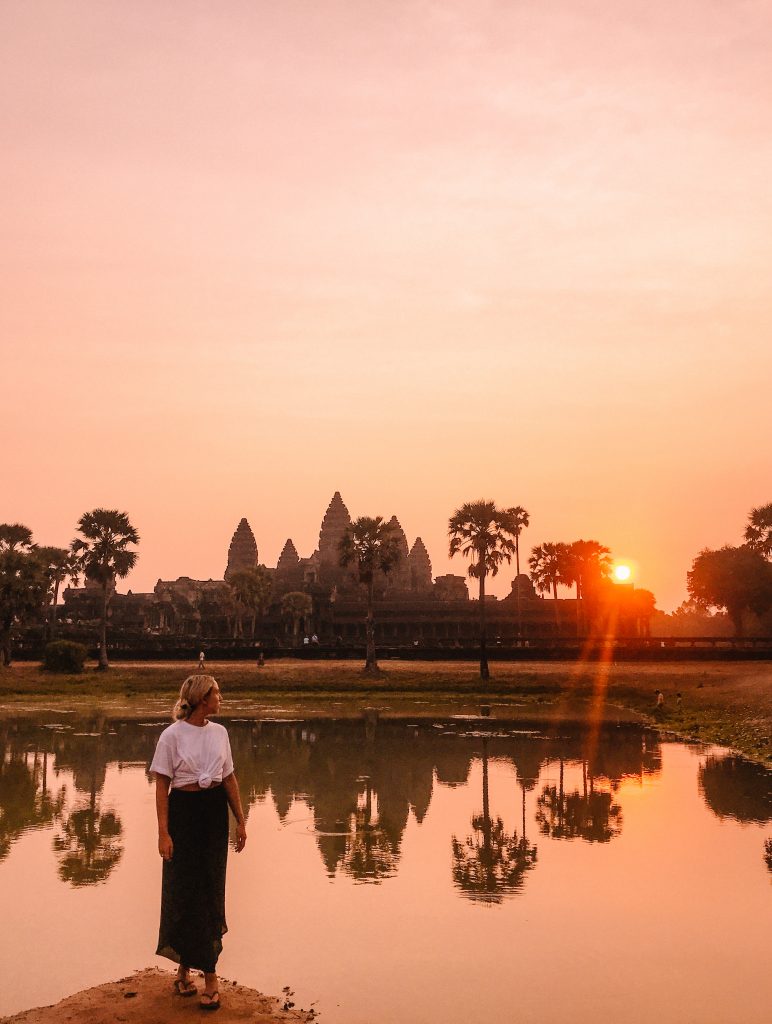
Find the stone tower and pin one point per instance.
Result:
(399, 577)
(242, 554)
(334, 525)
(420, 568)
(289, 558)
(289, 571)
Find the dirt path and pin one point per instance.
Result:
(147, 998)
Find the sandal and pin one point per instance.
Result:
(214, 1001)
(184, 987)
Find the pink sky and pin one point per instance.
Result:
(422, 252)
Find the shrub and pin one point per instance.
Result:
(64, 656)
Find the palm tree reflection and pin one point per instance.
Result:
(589, 815)
(88, 844)
(490, 863)
(370, 853)
(25, 800)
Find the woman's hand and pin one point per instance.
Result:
(165, 846)
(241, 837)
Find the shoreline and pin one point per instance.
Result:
(146, 997)
(729, 704)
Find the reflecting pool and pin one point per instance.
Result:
(442, 867)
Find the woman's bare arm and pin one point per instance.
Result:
(234, 799)
(165, 845)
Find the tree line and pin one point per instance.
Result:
(31, 575)
(738, 579)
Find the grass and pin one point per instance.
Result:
(729, 703)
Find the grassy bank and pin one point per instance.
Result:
(728, 703)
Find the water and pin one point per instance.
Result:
(428, 868)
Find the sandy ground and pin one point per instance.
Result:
(147, 998)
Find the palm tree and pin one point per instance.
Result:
(487, 535)
(549, 563)
(21, 582)
(15, 537)
(371, 546)
(586, 564)
(251, 589)
(103, 556)
(522, 521)
(758, 532)
(59, 564)
(296, 606)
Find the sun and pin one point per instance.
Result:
(622, 573)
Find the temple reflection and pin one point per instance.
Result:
(356, 782)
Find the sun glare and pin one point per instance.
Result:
(622, 573)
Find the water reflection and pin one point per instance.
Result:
(490, 862)
(735, 788)
(26, 801)
(593, 816)
(88, 844)
(374, 823)
(355, 783)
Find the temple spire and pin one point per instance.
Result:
(242, 553)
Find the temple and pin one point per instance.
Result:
(414, 608)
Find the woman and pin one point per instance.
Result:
(195, 783)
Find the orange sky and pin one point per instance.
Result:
(420, 252)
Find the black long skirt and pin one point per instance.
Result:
(193, 889)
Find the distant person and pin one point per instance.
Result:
(201, 660)
(678, 699)
(306, 641)
(660, 698)
(315, 640)
(195, 784)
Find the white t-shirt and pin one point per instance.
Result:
(193, 753)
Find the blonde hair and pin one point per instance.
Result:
(192, 692)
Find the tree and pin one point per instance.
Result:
(22, 583)
(738, 579)
(59, 564)
(371, 546)
(549, 564)
(522, 521)
(251, 589)
(296, 606)
(758, 532)
(487, 535)
(587, 565)
(103, 555)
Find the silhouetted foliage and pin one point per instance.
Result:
(59, 565)
(487, 536)
(251, 590)
(738, 579)
(296, 606)
(371, 546)
(758, 532)
(103, 555)
(550, 565)
(64, 656)
(22, 583)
